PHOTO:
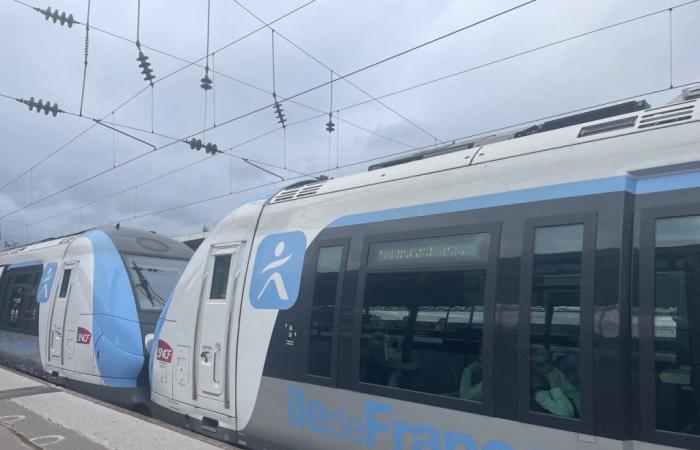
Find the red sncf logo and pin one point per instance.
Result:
(84, 336)
(164, 352)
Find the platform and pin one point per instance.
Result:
(35, 415)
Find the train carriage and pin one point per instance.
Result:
(533, 291)
(77, 309)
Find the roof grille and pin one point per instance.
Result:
(604, 127)
(297, 192)
(673, 114)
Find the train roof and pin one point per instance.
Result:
(600, 124)
(128, 240)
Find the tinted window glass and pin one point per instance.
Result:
(555, 321)
(219, 280)
(422, 330)
(323, 310)
(677, 324)
(153, 279)
(20, 308)
(64, 283)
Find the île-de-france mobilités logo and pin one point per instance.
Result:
(277, 271)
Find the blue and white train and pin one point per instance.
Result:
(538, 290)
(80, 310)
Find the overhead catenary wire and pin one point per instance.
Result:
(139, 92)
(690, 2)
(364, 161)
(250, 113)
(351, 83)
(85, 62)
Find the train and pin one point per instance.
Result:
(531, 290)
(80, 310)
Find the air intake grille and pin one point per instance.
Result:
(294, 193)
(673, 114)
(604, 127)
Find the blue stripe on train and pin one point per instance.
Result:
(623, 183)
(116, 329)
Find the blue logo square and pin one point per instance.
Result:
(277, 271)
(49, 273)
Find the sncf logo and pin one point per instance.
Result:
(164, 352)
(84, 336)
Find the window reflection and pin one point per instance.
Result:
(422, 330)
(677, 324)
(323, 310)
(555, 317)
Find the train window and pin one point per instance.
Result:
(219, 280)
(326, 279)
(153, 279)
(20, 311)
(677, 324)
(64, 283)
(555, 318)
(423, 315)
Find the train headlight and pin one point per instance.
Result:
(148, 342)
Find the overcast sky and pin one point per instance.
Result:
(45, 60)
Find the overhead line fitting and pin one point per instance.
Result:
(145, 66)
(49, 14)
(279, 112)
(41, 106)
(197, 144)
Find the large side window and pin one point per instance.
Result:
(555, 319)
(676, 324)
(423, 315)
(323, 309)
(20, 310)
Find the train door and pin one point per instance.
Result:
(214, 321)
(668, 238)
(60, 344)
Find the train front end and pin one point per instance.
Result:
(134, 273)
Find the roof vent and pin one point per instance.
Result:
(667, 115)
(604, 127)
(296, 192)
(691, 93)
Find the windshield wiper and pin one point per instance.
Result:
(146, 286)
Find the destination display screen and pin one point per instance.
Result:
(462, 248)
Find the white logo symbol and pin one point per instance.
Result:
(276, 277)
(44, 289)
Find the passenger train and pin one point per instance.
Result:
(79, 310)
(537, 290)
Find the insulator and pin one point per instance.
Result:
(206, 82)
(197, 144)
(48, 14)
(279, 112)
(41, 106)
(330, 126)
(145, 66)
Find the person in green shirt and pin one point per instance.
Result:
(550, 388)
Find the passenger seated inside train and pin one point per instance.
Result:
(551, 390)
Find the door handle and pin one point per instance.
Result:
(205, 356)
